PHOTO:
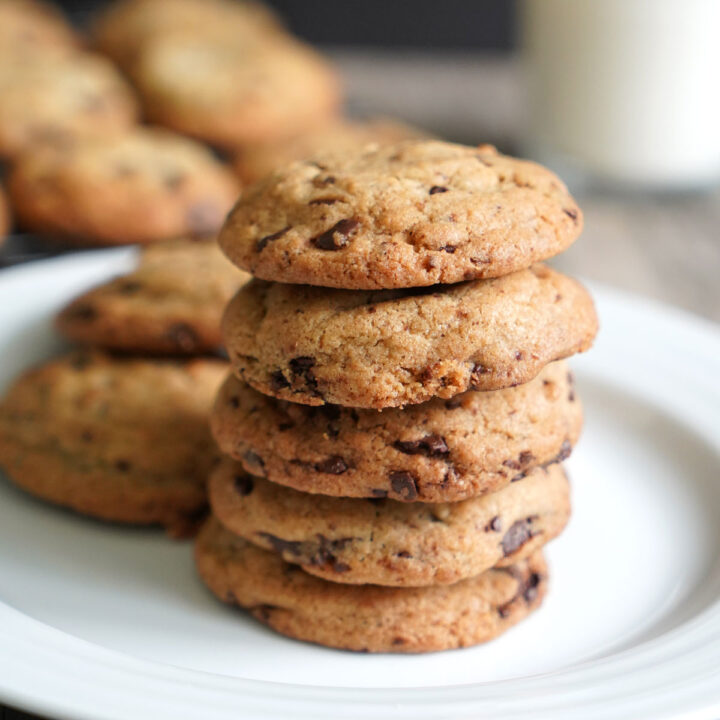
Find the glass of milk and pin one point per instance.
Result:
(624, 91)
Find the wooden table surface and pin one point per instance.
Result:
(666, 247)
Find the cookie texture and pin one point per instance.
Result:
(367, 618)
(439, 451)
(231, 93)
(54, 100)
(255, 161)
(121, 440)
(31, 27)
(123, 28)
(385, 542)
(139, 187)
(171, 304)
(392, 348)
(398, 216)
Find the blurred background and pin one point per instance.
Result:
(620, 97)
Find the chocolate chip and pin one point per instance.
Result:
(253, 459)
(399, 641)
(129, 287)
(565, 450)
(234, 402)
(516, 536)
(278, 381)
(437, 189)
(530, 589)
(431, 445)
(337, 237)
(519, 355)
(477, 371)
(453, 403)
(262, 243)
(84, 312)
(324, 201)
(123, 465)
(404, 484)
(404, 554)
(512, 464)
(183, 337)
(449, 248)
(203, 218)
(244, 484)
(571, 213)
(300, 364)
(525, 457)
(379, 494)
(495, 525)
(333, 465)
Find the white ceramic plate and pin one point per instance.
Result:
(107, 623)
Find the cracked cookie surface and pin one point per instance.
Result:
(439, 451)
(391, 348)
(406, 215)
(118, 439)
(367, 618)
(171, 304)
(385, 542)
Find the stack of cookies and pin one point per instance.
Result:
(394, 425)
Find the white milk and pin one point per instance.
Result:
(625, 90)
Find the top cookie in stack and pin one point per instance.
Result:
(381, 222)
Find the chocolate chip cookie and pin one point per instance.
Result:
(256, 161)
(367, 618)
(140, 187)
(171, 304)
(385, 542)
(440, 451)
(392, 348)
(125, 26)
(56, 99)
(232, 93)
(397, 216)
(32, 27)
(118, 439)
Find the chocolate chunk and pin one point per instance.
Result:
(324, 201)
(129, 287)
(530, 589)
(476, 372)
(495, 525)
(337, 237)
(512, 464)
(278, 381)
(292, 547)
(404, 484)
(300, 364)
(262, 243)
(449, 248)
(571, 213)
(525, 457)
(517, 535)
(404, 554)
(333, 465)
(437, 189)
(519, 355)
(244, 484)
(399, 641)
(183, 337)
(565, 450)
(431, 445)
(254, 460)
(84, 312)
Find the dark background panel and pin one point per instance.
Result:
(441, 24)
